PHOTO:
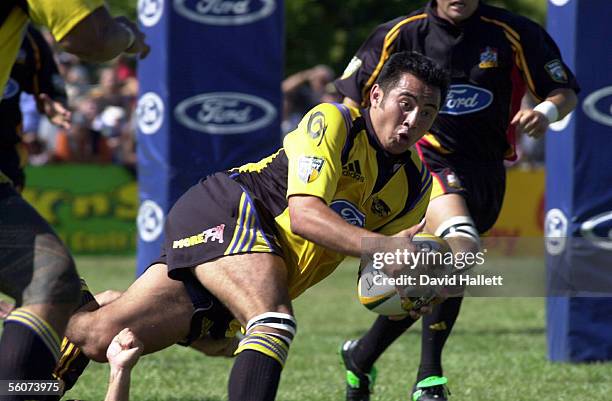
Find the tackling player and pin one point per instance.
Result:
(35, 267)
(494, 56)
(241, 244)
(34, 72)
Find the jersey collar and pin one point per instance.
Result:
(403, 158)
(431, 11)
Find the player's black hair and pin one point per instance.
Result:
(416, 64)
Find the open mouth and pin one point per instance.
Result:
(457, 5)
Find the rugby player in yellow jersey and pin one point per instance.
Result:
(241, 244)
(35, 267)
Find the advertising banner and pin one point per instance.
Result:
(92, 207)
(578, 223)
(210, 98)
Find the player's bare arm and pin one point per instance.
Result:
(100, 37)
(534, 122)
(313, 220)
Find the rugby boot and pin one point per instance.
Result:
(359, 384)
(432, 388)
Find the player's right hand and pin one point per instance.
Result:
(140, 47)
(124, 351)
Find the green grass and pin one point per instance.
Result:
(497, 352)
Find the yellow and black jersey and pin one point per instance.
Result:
(493, 57)
(335, 155)
(59, 16)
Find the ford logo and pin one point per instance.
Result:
(11, 89)
(348, 212)
(466, 99)
(598, 106)
(225, 113)
(225, 12)
(598, 230)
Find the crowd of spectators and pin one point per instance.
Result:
(102, 100)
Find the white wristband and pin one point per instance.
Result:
(549, 109)
(130, 33)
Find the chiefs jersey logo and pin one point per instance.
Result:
(488, 58)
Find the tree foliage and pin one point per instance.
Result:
(330, 31)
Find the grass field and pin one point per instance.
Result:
(497, 352)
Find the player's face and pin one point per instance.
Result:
(456, 11)
(404, 114)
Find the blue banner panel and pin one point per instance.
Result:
(210, 98)
(578, 222)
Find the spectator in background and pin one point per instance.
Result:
(304, 90)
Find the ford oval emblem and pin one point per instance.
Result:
(225, 113)
(349, 212)
(598, 106)
(598, 230)
(466, 99)
(225, 12)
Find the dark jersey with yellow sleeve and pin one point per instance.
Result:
(493, 57)
(335, 155)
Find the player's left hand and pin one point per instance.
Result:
(531, 122)
(55, 111)
(124, 351)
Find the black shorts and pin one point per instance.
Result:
(482, 184)
(214, 218)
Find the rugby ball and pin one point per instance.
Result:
(377, 291)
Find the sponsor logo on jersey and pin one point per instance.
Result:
(353, 170)
(150, 113)
(349, 212)
(225, 12)
(379, 207)
(150, 221)
(556, 71)
(555, 231)
(316, 125)
(225, 113)
(598, 230)
(466, 99)
(10, 89)
(150, 11)
(211, 234)
(598, 106)
(488, 58)
(309, 168)
(352, 66)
